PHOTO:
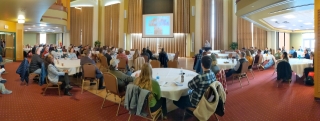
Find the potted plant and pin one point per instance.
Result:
(97, 43)
(234, 45)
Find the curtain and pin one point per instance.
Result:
(135, 16)
(218, 25)
(206, 21)
(138, 42)
(112, 25)
(244, 34)
(259, 37)
(81, 21)
(181, 16)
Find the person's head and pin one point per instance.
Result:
(136, 52)
(71, 50)
(120, 50)
(206, 62)
(306, 51)
(162, 49)
(279, 49)
(243, 49)
(292, 47)
(251, 48)
(200, 51)
(285, 55)
(38, 51)
(242, 54)
(147, 47)
(248, 53)
(109, 51)
(145, 77)
(144, 50)
(49, 59)
(259, 51)
(266, 48)
(100, 50)
(86, 52)
(214, 59)
(112, 49)
(46, 49)
(114, 64)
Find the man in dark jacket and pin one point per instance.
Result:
(238, 67)
(145, 53)
(149, 52)
(34, 49)
(35, 64)
(108, 56)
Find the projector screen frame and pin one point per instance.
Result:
(171, 35)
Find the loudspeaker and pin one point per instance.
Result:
(192, 11)
(125, 14)
(125, 40)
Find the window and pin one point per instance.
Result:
(212, 24)
(43, 38)
(308, 41)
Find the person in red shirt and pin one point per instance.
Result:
(46, 51)
(121, 55)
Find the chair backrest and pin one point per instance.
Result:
(122, 64)
(111, 83)
(173, 64)
(89, 70)
(146, 59)
(260, 59)
(138, 62)
(221, 77)
(104, 61)
(244, 67)
(253, 59)
(155, 64)
(176, 56)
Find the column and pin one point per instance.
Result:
(198, 30)
(19, 42)
(95, 24)
(317, 49)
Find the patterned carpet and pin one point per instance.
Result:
(261, 100)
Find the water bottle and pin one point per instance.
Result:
(181, 71)
(299, 57)
(157, 78)
(182, 77)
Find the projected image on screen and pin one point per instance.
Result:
(157, 25)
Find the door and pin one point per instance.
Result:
(9, 46)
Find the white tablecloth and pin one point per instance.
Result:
(170, 55)
(171, 75)
(132, 52)
(300, 53)
(222, 65)
(215, 51)
(267, 57)
(73, 66)
(298, 65)
(27, 49)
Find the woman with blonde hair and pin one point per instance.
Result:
(214, 68)
(145, 81)
(249, 58)
(136, 54)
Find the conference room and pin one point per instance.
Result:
(175, 60)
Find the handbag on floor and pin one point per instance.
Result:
(309, 81)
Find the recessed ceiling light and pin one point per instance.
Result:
(289, 16)
(57, 27)
(273, 19)
(29, 28)
(307, 23)
(293, 25)
(307, 28)
(299, 20)
(281, 26)
(25, 30)
(43, 25)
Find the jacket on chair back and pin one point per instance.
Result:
(134, 100)
(23, 70)
(284, 70)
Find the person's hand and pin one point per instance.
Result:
(65, 71)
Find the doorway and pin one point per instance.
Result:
(7, 46)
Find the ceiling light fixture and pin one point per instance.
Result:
(281, 26)
(29, 28)
(111, 3)
(42, 25)
(299, 20)
(273, 19)
(307, 23)
(293, 25)
(289, 16)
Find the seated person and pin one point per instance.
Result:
(108, 56)
(149, 52)
(145, 53)
(54, 75)
(309, 69)
(145, 81)
(306, 54)
(266, 51)
(269, 63)
(45, 52)
(252, 51)
(257, 57)
(163, 58)
(35, 64)
(121, 55)
(85, 59)
(278, 54)
(214, 68)
(292, 51)
(198, 85)
(122, 78)
(249, 58)
(72, 55)
(3, 89)
(284, 57)
(238, 67)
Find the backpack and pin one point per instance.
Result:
(309, 81)
(220, 108)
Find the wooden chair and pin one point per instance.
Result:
(122, 66)
(257, 65)
(51, 85)
(242, 74)
(172, 64)
(146, 58)
(153, 116)
(176, 56)
(112, 88)
(89, 73)
(155, 64)
(103, 63)
(221, 77)
(250, 69)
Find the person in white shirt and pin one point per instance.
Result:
(207, 44)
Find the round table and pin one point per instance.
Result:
(168, 77)
(222, 65)
(27, 49)
(298, 65)
(72, 65)
(267, 57)
(170, 55)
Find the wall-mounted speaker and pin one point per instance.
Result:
(125, 14)
(192, 11)
(192, 42)
(125, 41)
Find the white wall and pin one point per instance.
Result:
(198, 31)
(271, 40)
